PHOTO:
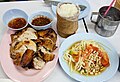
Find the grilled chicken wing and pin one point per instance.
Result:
(27, 57)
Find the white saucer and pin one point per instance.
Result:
(81, 2)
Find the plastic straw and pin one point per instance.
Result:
(109, 8)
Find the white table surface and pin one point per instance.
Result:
(58, 75)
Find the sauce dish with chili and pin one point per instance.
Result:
(15, 19)
(40, 20)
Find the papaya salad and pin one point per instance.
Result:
(87, 57)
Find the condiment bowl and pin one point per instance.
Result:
(41, 17)
(12, 14)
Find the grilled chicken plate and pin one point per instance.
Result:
(31, 48)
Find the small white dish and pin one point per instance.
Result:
(41, 13)
(14, 13)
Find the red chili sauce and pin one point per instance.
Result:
(41, 21)
(17, 23)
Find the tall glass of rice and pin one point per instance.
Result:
(67, 19)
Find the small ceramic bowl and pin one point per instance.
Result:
(14, 14)
(40, 14)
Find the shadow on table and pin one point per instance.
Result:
(119, 65)
(90, 27)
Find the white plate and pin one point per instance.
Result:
(81, 2)
(113, 56)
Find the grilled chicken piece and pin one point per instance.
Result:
(48, 33)
(46, 55)
(16, 59)
(27, 57)
(38, 63)
(22, 46)
(26, 34)
(13, 37)
(29, 44)
(18, 49)
(47, 43)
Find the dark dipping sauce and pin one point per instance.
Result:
(41, 21)
(17, 23)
